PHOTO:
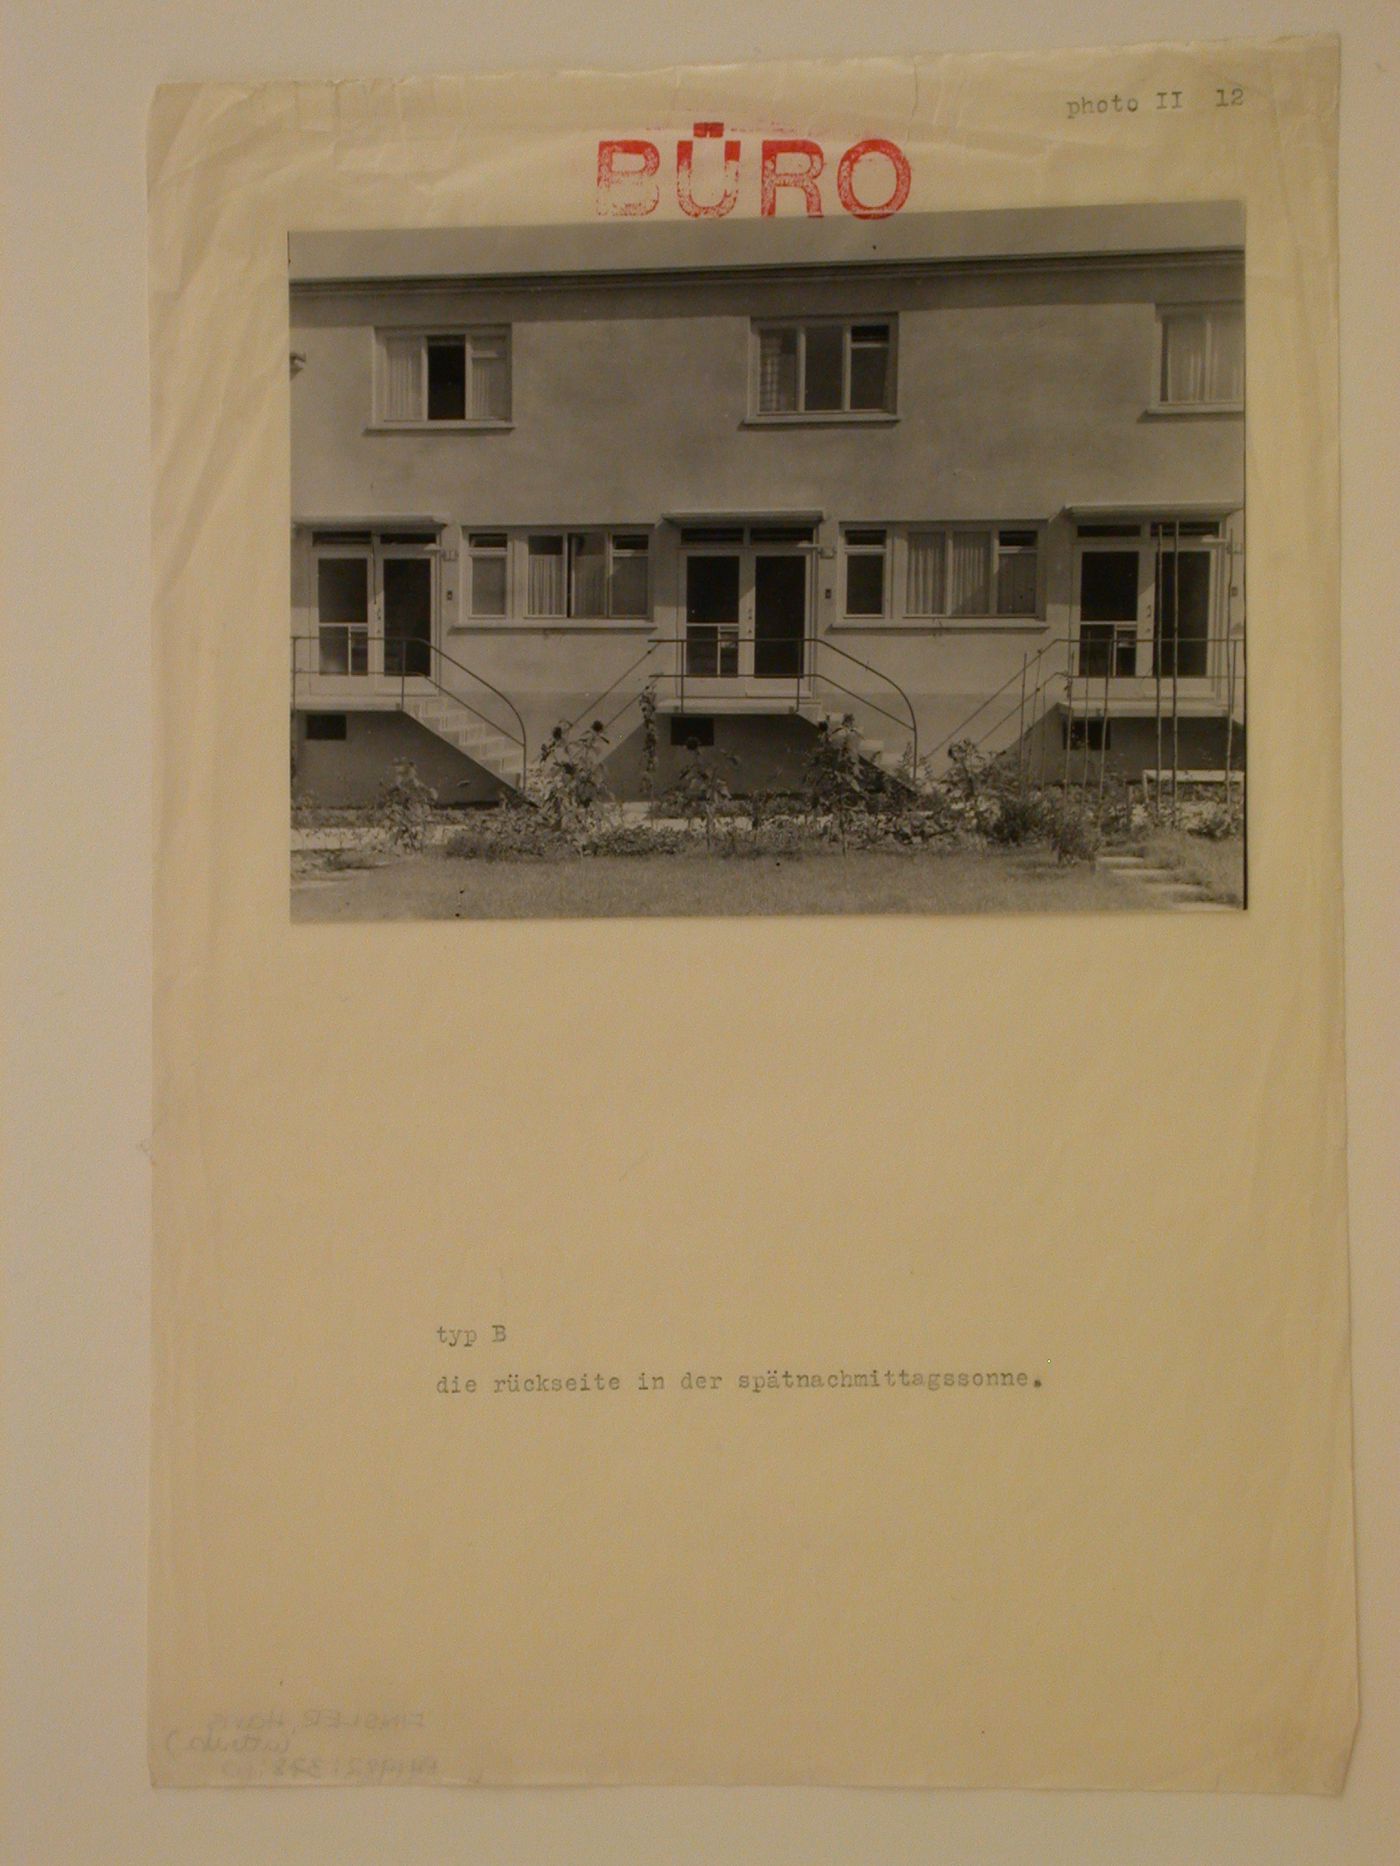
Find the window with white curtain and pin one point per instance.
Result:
(459, 377)
(1202, 361)
(971, 570)
(969, 581)
(926, 594)
(546, 579)
(597, 575)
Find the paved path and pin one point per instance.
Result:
(1163, 887)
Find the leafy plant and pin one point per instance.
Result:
(306, 810)
(762, 806)
(513, 831)
(1115, 808)
(836, 786)
(787, 837)
(987, 796)
(403, 812)
(1070, 829)
(1019, 819)
(700, 792)
(649, 739)
(1219, 821)
(566, 783)
(635, 839)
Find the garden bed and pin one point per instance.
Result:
(976, 840)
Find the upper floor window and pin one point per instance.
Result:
(824, 366)
(1202, 364)
(459, 377)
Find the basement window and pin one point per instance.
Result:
(692, 728)
(327, 726)
(1096, 734)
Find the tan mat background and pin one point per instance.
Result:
(80, 1515)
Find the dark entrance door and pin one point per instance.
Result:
(780, 616)
(408, 615)
(1183, 613)
(1109, 582)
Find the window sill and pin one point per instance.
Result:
(937, 625)
(1171, 411)
(438, 427)
(827, 418)
(550, 625)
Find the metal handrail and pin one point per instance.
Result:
(830, 646)
(612, 687)
(519, 738)
(855, 694)
(1075, 641)
(1058, 642)
(812, 672)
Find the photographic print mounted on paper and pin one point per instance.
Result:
(736, 1363)
(800, 565)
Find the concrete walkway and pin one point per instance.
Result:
(1162, 887)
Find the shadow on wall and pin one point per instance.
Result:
(771, 752)
(352, 761)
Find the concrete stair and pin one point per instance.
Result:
(461, 729)
(872, 750)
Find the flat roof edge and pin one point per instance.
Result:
(627, 249)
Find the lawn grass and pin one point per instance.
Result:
(1217, 867)
(432, 886)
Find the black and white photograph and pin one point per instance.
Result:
(805, 566)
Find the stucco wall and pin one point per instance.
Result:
(1021, 392)
(352, 770)
(1018, 393)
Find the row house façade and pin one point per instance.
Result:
(963, 476)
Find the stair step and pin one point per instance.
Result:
(483, 754)
(492, 750)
